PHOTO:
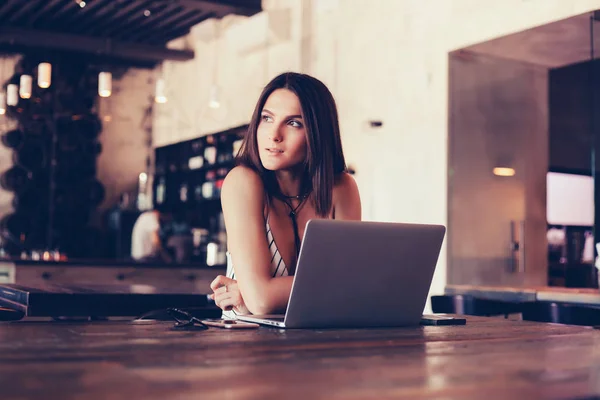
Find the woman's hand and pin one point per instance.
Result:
(227, 296)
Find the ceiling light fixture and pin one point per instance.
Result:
(12, 95)
(2, 103)
(44, 75)
(504, 171)
(213, 101)
(105, 84)
(160, 96)
(213, 98)
(25, 84)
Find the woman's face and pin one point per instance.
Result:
(280, 135)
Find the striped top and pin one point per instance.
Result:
(278, 267)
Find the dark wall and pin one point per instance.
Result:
(570, 103)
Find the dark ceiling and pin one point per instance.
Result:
(130, 31)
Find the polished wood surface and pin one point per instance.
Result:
(487, 358)
(531, 293)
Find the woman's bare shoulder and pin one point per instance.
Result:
(242, 180)
(344, 183)
(346, 199)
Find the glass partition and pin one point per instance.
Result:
(522, 166)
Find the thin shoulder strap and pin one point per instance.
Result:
(267, 209)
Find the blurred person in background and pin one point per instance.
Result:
(148, 235)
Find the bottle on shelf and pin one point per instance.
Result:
(161, 190)
(215, 253)
(183, 192)
(199, 241)
(208, 187)
(210, 151)
(195, 162)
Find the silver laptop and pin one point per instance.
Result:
(354, 274)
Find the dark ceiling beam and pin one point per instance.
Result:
(221, 7)
(42, 11)
(115, 19)
(91, 45)
(23, 11)
(178, 30)
(163, 24)
(104, 62)
(5, 5)
(63, 15)
(60, 9)
(116, 31)
(84, 16)
(149, 22)
(7, 10)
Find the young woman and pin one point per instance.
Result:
(290, 169)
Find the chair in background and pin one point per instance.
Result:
(562, 313)
(469, 305)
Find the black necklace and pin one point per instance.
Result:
(292, 214)
(298, 197)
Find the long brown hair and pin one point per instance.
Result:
(324, 160)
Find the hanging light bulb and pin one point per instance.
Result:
(44, 75)
(25, 86)
(213, 101)
(160, 95)
(104, 84)
(12, 95)
(504, 171)
(2, 103)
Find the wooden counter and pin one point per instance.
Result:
(186, 277)
(527, 294)
(489, 358)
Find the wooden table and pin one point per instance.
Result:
(489, 358)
